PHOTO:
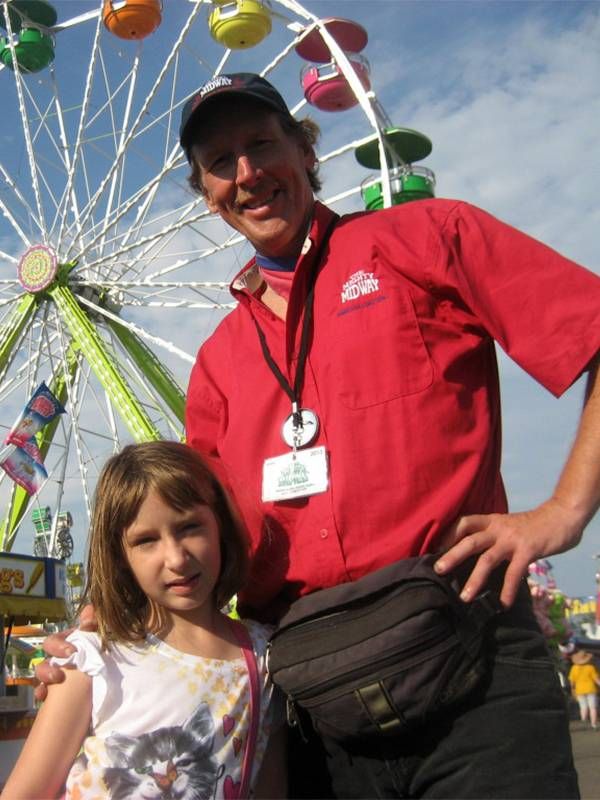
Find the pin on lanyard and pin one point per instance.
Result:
(302, 426)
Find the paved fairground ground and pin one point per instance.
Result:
(586, 750)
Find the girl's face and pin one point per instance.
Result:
(175, 556)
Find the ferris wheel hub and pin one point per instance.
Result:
(38, 268)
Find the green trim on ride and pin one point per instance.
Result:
(156, 373)
(83, 332)
(13, 325)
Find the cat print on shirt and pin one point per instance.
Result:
(172, 762)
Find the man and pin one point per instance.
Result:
(362, 348)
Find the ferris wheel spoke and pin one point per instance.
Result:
(13, 328)
(17, 506)
(105, 369)
(14, 223)
(143, 241)
(230, 242)
(181, 294)
(77, 148)
(123, 212)
(115, 186)
(136, 330)
(158, 377)
(27, 211)
(69, 197)
(143, 110)
(25, 120)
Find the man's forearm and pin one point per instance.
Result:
(578, 488)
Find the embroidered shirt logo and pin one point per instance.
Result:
(359, 284)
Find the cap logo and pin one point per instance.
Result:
(216, 83)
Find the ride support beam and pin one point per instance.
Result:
(93, 348)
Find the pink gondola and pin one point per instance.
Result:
(324, 84)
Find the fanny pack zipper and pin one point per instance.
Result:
(304, 629)
(303, 694)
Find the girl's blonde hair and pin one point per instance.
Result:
(182, 479)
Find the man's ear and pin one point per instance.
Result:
(310, 157)
(210, 204)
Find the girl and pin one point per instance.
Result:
(585, 680)
(162, 700)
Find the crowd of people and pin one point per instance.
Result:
(353, 431)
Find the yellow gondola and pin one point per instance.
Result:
(239, 24)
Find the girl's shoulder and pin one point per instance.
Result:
(87, 653)
(91, 657)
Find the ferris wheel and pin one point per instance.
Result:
(112, 270)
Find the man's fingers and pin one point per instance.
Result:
(469, 545)
(57, 645)
(40, 692)
(466, 526)
(46, 673)
(516, 570)
(477, 580)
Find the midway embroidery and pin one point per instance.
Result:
(359, 284)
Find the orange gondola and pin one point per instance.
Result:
(132, 19)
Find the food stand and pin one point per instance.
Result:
(32, 591)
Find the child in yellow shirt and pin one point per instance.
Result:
(584, 679)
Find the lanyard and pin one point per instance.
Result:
(294, 392)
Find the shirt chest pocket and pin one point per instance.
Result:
(377, 350)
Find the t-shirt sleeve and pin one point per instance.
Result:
(541, 307)
(88, 658)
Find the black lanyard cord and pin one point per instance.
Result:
(294, 393)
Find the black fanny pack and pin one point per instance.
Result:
(380, 655)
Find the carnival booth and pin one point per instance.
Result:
(32, 594)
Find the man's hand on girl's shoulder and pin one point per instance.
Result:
(57, 645)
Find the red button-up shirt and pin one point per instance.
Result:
(402, 374)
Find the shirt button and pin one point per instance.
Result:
(323, 533)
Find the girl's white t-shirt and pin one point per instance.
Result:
(166, 724)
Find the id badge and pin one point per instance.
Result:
(296, 474)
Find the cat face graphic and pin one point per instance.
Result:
(171, 763)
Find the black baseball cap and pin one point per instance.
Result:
(247, 84)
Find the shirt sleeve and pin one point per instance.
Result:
(88, 658)
(205, 415)
(539, 306)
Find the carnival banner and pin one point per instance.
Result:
(41, 409)
(21, 459)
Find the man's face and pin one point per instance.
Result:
(254, 175)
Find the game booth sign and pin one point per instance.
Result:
(584, 618)
(32, 593)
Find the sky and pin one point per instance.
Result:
(508, 94)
